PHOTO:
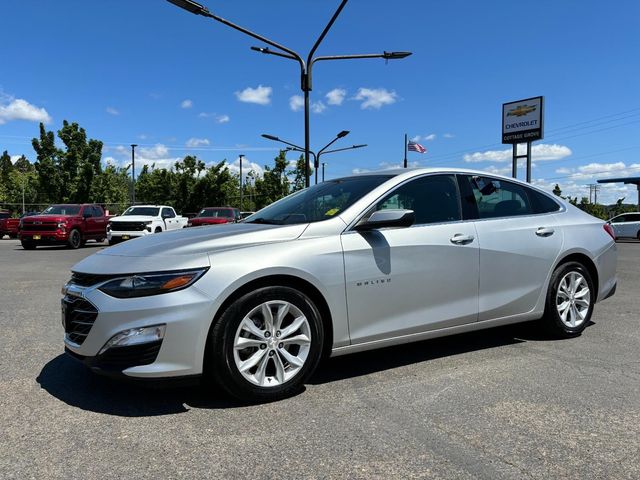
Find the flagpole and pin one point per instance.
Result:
(405, 150)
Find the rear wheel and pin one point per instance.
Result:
(638, 235)
(266, 344)
(570, 300)
(75, 239)
(28, 244)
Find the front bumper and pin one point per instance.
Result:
(57, 236)
(187, 315)
(111, 235)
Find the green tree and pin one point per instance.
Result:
(274, 184)
(6, 167)
(186, 177)
(111, 186)
(299, 175)
(557, 191)
(155, 185)
(47, 166)
(215, 187)
(80, 163)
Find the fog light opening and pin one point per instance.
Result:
(135, 336)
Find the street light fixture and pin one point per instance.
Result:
(316, 156)
(305, 67)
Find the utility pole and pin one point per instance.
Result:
(594, 188)
(241, 157)
(133, 172)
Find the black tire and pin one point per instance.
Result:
(13, 236)
(158, 230)
(638, 235)
(220, 365)
(28, 245)
(113, 241)
(75, 239)
(551, 319)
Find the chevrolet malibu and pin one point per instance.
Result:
(351, 264)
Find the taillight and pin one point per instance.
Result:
(609, 229)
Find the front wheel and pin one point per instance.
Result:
(570, 300)
(75, 239)
(266, 344)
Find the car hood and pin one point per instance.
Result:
(184, 248)
(196, 220)
(49, 218)
(132, 218)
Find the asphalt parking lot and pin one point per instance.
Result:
(504, 403)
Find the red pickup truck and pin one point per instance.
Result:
(215, 216)
(72, 225)
(11, 226)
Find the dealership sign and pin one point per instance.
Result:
(522, 121)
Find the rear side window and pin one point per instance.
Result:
(541, 203)
(434, 199)
(498, 198)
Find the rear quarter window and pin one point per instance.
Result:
(541, 203)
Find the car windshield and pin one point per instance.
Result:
(320, 202)
(144, 211)
(4, 215)
(216, 212)
(62, 210)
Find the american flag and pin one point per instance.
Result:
(416, 147)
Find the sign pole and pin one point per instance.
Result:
(528, 162)
(405, 150)
(514, 164)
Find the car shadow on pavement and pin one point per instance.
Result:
(74, 384)
(365, 363)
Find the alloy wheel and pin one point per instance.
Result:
(573, 299)
(272, 343)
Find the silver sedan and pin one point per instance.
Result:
(348, 265)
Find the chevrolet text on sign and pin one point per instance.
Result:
(522, 121)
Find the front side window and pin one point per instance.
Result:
(319, 202)
(498, 198)
(168, 213)
(433, 199)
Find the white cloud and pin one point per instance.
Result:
(497, 170)
(539, 152)
(247, 167)
(197, 142)
(336, 96)
(19, 109)
(387, 166)
(448, 135)
(375, 98)
(218, 118)
(143, 136)
(223, 119)
(563, 171)
(112, 111)
(296, 102)
(318, 107)
(260, 95)
(417, 138)
(186, 103)
(431, 136)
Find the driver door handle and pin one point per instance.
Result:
(460, 239)
(545, 232)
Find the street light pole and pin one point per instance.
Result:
(323, 164)
(133, 171)
(241, 157)
(305, 67)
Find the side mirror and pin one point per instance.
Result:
(388, 218)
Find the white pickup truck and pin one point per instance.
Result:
(141, 220)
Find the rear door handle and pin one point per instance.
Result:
(545, 232)
(460, 239)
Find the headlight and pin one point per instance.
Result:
(62, 225)
(149, 222)
(109, 227)
(147, 284)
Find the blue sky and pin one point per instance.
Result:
(149, 73)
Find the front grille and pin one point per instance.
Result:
(128, 226)
(90, 279)
(79, 316)
(44, 227)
